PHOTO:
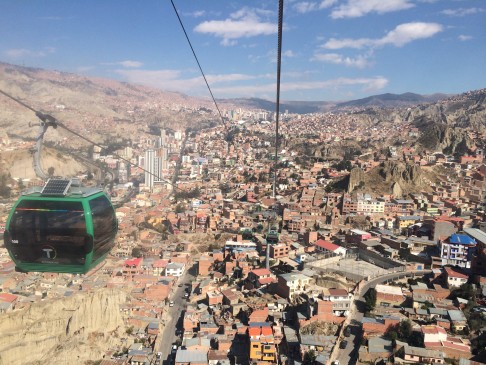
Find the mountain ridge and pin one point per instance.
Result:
(114, 87)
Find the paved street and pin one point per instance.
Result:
(173, 319)
(349, 355)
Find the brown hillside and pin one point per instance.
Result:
(19, 163)
(381, 180)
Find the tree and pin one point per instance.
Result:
(309, 357)
(20, 183)
(370, 299)
(466, 291)
(476, 321)
(405, 329)
(137, 252)
(225, 188)
(343, 165)
(50, 171)
(180, 208)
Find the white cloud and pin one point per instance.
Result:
(334, 43)
(326, 4)
(244, 23)
(408, 32)
(130, 64)
(228, 85)
(367, 84)
(23, 52)
(401, 35)
(168, 80)
(18, 52)
(288, 53)
(173, 79)
(212, 79)
(338, 59)
(305, 7)
(308, 6)
(462, 11)
(195, 14)
(357, 8)
(463, 37)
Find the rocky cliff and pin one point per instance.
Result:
(445, 126)
(391, 177)
(356, 178)
(65, 331)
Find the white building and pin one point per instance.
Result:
(175, 269)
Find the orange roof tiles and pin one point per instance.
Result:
(7, 297)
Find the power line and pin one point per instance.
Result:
(279, 64)
(197, 61)
(52, 121)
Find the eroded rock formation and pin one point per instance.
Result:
(65, 331)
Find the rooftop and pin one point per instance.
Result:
(461, 239)
(387, 289)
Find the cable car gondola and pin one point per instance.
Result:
(62, 227)
(272, 236)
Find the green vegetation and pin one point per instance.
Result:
(309, 357)
(137, 252)
(476, 321)
(478, 345)
(403, 331)
(370, 299)
(225, 188)
(466, 291)
(191, 194)
(180, 208)
(343, 165)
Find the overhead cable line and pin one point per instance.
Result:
(279, 64)
(52, 121)
(197, 61)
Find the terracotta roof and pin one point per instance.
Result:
(338, 292)
(7, 297)
(433, 330)
(261, 272)
(456, 274)
(327, 245)
(160, 263)
(267, 331)
(266, 280)
(133, 262)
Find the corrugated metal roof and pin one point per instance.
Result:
(187, 356)
(476, 233)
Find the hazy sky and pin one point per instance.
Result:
(332, 49)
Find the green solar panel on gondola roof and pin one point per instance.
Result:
(56, 187)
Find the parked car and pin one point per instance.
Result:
(171, 303)
(347, 331)
(343, 344)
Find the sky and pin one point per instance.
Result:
(332, 50)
